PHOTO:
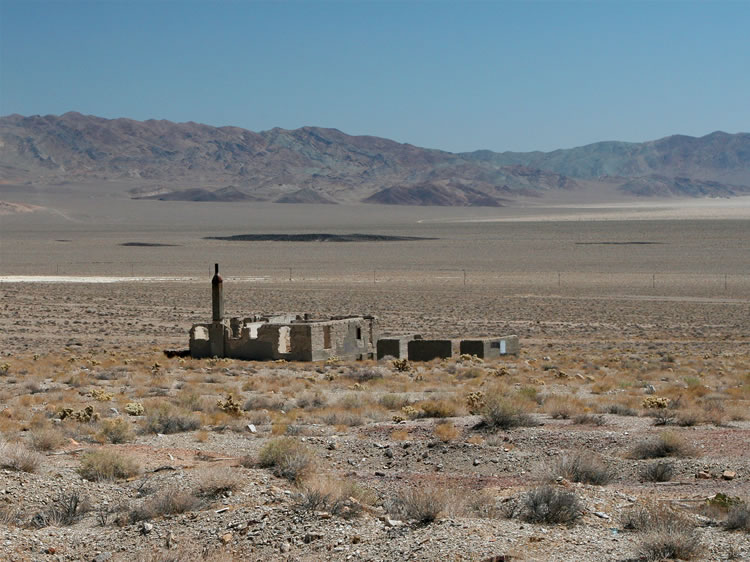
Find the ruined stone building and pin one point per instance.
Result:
(287, 336)
(300, 338)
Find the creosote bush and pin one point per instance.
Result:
(549, 504)
(343, 498)
(104, 464)
(287, 458)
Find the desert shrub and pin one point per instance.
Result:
(561, 407)
(47, 439)
(436, 409)
(364, 374)
(343, 498)
(116, 431)
(311, 400)
(165, 418)
(64, 511)
(14, 456)
(688, 418)
(446, 431)
(394, 401)
(260, 402)
(287, 458)
(662, 416)
(589, 419)
(502, 413)
(169, 501)
(667, 444)
(217, 482)
(104, 464)
(549, 504)
(738, 518)
(349, 419)
(424, 504)
(582, 467)
(666, 534)
(657, 472)
(619, 410)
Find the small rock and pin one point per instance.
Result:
(251, 428)
(323, 514)
(226, 538)
(703, 475)
(392, 522)
(477, 462)
(729, 475)
(146, 528)
(379, 473)
(601, 515)
(285, 547)
(102, 557)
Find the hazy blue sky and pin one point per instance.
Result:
(451, 75)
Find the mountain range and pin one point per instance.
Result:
(194, 162)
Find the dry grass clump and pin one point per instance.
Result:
(666, 534)
(116, 431)
(424, 504)
(14, 456)
(436, 409)
(738, 518)
(47, 438)
(104, 464)
(217, 482)
(590, 419)
(582, 467)
(394, 401)
(261, 402)
(499, 412)
(657, 472)
(343, 498)
(562, 407)
(667, 444)
(619, 409)
(549, 504)
(169, 501)
(287, 458)
(446, 431)
(165, 418)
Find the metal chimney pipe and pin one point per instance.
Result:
(217, 295)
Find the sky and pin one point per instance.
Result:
(454, 75)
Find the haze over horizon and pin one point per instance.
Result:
(505, 76)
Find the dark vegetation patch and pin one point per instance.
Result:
(628, 243)
(145, 244)
(322, 237)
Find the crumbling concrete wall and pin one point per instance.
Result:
(427, 350)
(286, 337)
(488, 348)
(396, 346)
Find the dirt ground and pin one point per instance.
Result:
(382, 462)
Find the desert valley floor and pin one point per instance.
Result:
(620, 432)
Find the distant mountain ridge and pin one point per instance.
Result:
(194, 162)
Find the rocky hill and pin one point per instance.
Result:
(189, 161)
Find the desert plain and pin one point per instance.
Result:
(620, 432)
